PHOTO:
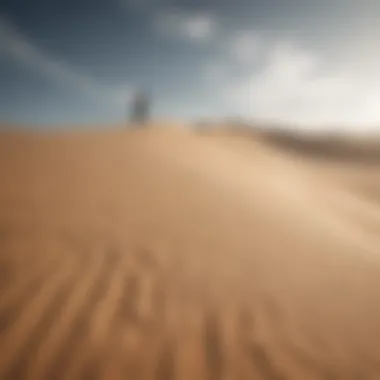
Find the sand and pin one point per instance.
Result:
(167, 254)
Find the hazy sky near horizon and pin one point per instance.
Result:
(313, 63)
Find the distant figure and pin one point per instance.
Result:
(140, 108)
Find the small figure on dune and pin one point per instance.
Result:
(140, 108)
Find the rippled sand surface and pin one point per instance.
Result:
(166, 254)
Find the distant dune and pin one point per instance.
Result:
(171, 254)
(321, 145)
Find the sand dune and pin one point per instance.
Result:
(168, 254)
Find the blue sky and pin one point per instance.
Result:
(310, 63)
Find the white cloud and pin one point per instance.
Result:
(296, 86)
(18, 47)
(173, 22)
(196, 28)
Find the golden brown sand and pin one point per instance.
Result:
(164, 254)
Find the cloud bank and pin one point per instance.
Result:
(296, 85)
(192, 27)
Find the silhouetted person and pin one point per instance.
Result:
(140, 108)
